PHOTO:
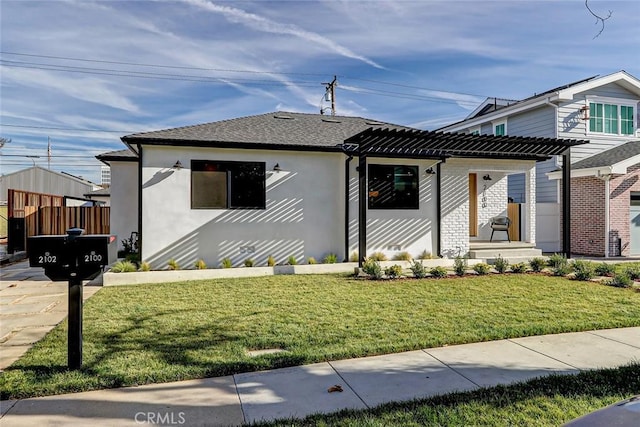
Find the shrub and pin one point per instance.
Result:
(425, 255)
(438, 272)
(418, 270)
(292, 260)
(378, 256)
(500, 264)
(561, 269)
(557, 260)
(402, 256)
(537, 264)
(460, 265)
(584, 270)
(311, 260)
(124, 267)
(633, 273)
(604, 269)
(249, 262)
(520, 267)
(134, 258)
(200, 264)
(620, 280)
(481, 268)
(353, 257)
(330, 259)
(271, 261)
(394, 271)
(145, 266)
(372, 268)
(173, 264)
(226, 263)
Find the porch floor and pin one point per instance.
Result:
(511, 251)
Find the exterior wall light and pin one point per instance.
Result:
(487, 177)
(177, 165)
(584, 112)
(277, 167)
(430, 171)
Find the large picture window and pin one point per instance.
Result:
(393, 187)
(227, 185)
(610, 118)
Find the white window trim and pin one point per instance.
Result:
(497, 123)
(475, 129)
(620, 102)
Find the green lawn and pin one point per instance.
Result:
(159, 333)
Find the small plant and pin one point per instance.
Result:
(620, 280)
(604, 269)
(130, 245)
(633, 273)
(226, 263)
(200, 264)
(249, 262)
(557, 260)
(271, 261)
(173, 264)
(330, 259)
(425, 255)
(372, 268)
(561, 269)
(378, 256)
(292, 260)
(500, 264)
(402, 256)
(394, 271)
(124, 267)
(481, 268)
(311, 260)
(537, 264)
(438, 272)
(145, 266)
(353, 257)
(520, 267)
(460, 265)
(584, 270)
(418, 269)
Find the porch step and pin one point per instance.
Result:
(506, 253)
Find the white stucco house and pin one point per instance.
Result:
(602, 110)
(305, 185)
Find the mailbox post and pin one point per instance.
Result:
(73, 257)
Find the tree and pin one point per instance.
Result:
(599, 19)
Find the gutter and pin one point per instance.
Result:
(607, 228)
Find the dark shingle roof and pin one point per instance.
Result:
(119, 155)
(275, 130)
(610, 157)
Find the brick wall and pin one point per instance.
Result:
(621, 188)
(587, 216)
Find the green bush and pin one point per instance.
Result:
(402, 256)
(124, 267)
(311, 260)
(271, 261)
(438, 272)
(394, 271)
(249, 262)
(418, 269)
(330, 259)
(292, 260)
(226, 263)
(537, 264)
(604, 269)
(425, 255)
(520, 267)
(145, 266)
(481, 268)
(460, 265)
(557, 260)
(500, 264)
(378, 256)
(200, 264)
(353, 257)
(561, 269)
(372, 268)
(172, 264)
(583, 270)
(620, 280)
(633, 273)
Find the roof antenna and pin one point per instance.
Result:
(330, 95)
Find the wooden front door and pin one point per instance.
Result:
(473, 205)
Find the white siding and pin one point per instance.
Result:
(124, 200)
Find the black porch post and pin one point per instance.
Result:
(362, 209)
(566, 203)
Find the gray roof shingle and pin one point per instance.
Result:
(610, 157)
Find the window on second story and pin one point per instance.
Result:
(610, 118)
(500, 129)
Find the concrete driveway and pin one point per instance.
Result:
(30, 306)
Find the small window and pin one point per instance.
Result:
(500, 130)
(393, 187)
(227, 185)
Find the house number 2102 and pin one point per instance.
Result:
(46, 259)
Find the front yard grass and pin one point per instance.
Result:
(167, 332)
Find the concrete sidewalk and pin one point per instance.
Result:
(303, 390)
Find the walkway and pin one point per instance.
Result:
(303, 390)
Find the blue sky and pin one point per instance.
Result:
(85, 73)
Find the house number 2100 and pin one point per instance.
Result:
(93, 257)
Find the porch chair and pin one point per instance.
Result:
(500, 223)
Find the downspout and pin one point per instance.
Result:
(607, 227)
(140, 201)
(347, 162)
(555, 135)
(362, 208)
(439, 208)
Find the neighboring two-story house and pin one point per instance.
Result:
(605, 184)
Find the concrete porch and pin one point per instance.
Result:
(513, 251)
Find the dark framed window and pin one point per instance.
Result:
(393, 187)
(227, 185)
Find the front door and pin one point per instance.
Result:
(473, 205)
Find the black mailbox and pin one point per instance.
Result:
(48, 251)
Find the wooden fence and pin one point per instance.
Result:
(58, 219)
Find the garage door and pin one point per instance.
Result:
(634, 227)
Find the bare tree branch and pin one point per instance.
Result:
(599, 18)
